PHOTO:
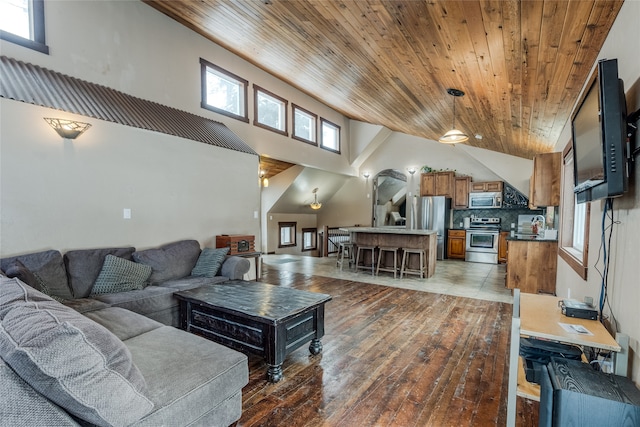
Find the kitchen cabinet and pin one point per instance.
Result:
(544, 187)
(502, 247)
(437, 184)
(456, 244)
(479, 186)
(532, 265)
(461, 192)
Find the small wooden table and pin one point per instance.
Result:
(267, 320)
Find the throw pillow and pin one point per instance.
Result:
(120, 275)
(72, 360)
(209, 262)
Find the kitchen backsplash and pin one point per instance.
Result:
(507, 216)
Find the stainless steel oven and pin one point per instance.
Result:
(482, 240)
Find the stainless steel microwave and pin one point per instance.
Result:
(485, 200)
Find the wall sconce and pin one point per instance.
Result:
(366, 176)
(315, 205)
(411, 170)
(68, 129)
(263, 179)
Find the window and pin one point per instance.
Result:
(287, 234)
(309, 239)
(223, 92)
(574, 221)
(22, 22)
(330, 136)
(270, 111)
(304, 125)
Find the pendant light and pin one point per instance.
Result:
(454, 135)
(315, 205)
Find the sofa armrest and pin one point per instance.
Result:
(235, 267)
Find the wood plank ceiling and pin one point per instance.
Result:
(521, 63)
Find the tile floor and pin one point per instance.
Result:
(452, 277)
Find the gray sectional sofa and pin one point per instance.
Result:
(89, 338)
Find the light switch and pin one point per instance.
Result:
(255, 214)
(126, 213)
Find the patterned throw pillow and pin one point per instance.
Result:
(209, 262)
(120, 275)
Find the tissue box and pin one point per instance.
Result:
(549, 235)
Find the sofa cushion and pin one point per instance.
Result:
(120, 275)
(191, 282)
(209, 262)
(22, 406)
(146, 301)
(84, 265)
(123, 323)
(48, 265)
(209, 374)
(85, 305)
(19, 270)
(72, 360)
(171, 261)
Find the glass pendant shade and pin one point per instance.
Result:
(453, 137)
(315, 205)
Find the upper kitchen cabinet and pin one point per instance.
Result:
(544, 187)
(461, 192)
(437, 184)
(494, 186)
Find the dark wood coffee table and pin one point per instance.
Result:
(267, 320)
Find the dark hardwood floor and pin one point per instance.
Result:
(392, 357)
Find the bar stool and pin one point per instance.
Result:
(373, 258)
(406, 256)
(381, 256)
(345, 248)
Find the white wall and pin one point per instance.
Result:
(622, 43)
(62, 194)
(302, 221)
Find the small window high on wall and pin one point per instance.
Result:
(22, 22)
(223, 92)
(304, 125)
(270, 111)
(330, 136)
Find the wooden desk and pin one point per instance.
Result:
(539, 316)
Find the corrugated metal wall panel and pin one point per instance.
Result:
(36, 85)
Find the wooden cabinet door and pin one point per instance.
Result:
(444, 183)
(428, 184)
(502, 247)
(545, 182)
(461, 192)
(493, 186)
(456, 244)
(476, 186)
(532, 266)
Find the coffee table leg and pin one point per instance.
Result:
(274, 373)
(315, 347)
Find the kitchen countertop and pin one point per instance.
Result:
(529, 239)
(388, 230)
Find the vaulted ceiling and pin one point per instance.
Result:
(521, 63)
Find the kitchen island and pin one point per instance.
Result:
(398, 237)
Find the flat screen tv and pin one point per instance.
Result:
(599, 130)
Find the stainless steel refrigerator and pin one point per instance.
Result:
(434, 213)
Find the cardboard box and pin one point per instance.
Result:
(237, 243)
